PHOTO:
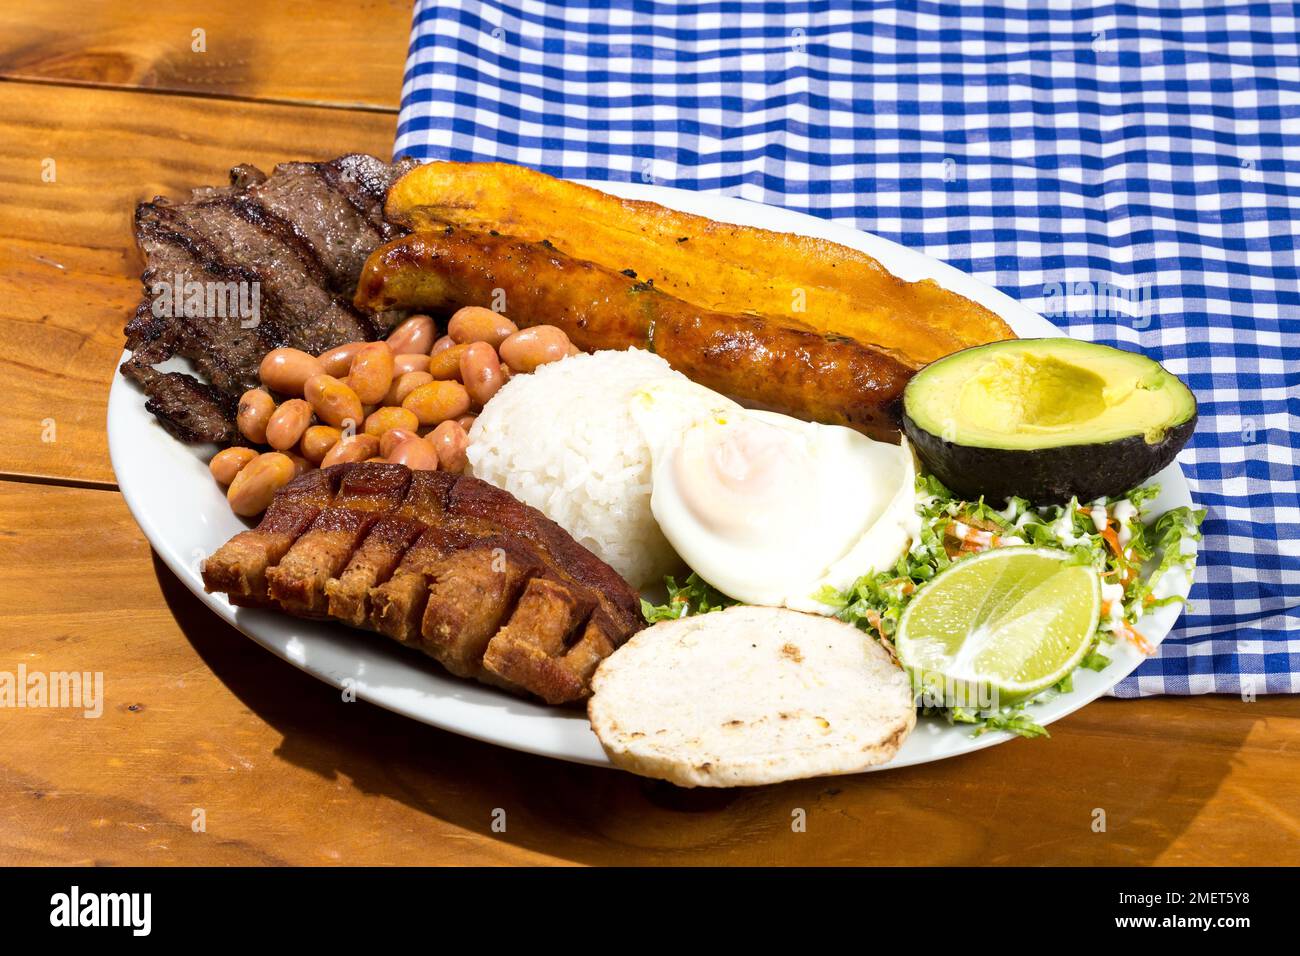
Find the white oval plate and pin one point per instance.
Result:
(185, 517)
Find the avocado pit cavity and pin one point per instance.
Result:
(1032, 392)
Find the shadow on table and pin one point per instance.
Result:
(1026, 802)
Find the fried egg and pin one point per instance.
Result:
(767, 508)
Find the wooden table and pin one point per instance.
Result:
(119, 107)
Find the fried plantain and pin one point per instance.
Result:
(807, 282)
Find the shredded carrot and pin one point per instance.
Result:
(1137, 640)
(874, 619)
(981, 537)
(978, 540)
(1126, 574)
(981, 525)
(1112, 539)
(949, 549)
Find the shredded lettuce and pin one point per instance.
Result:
(1119, 551)
(1015, 721)
(693, 596)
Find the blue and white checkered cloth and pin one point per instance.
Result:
(1130, 170)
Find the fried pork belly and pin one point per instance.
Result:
(298, 582)
(451, 566)
(378, 555)
(241, 574)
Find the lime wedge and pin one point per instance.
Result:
(999, 627)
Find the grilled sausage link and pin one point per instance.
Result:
(751, 358)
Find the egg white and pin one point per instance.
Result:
(767, 508)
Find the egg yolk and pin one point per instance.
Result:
(732, 478)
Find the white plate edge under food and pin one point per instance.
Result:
(183, 513)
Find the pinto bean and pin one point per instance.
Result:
(416, 454)
(372, 372)
(416, 334)
(255, 409)
(287, 424)
(353, 448)
(228, 462)
(317, 441)
(410, 362)
(446, 364)
(477, 324)
(258, 481)
(450, 441)
(404, 385)
(338, 360)
(286, 370)
(392, 438)
(333, 401)
(480, 371)
(530, 348)
(436, 402)
(390, 417)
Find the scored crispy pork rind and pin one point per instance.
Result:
(448, 565)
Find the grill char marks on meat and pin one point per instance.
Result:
(450, 566)
(301, 234)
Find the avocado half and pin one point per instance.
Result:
(1046, 419)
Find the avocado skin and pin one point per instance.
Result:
(1046, 475)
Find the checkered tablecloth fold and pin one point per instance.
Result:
(1132, 171)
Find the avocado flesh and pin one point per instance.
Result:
(1046, 419)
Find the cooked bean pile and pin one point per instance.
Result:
(409, 400)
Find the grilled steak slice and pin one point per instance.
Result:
(241, 269)
(191, 410)
(335, 209)
(451, 566)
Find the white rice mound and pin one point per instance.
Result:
(563, 440)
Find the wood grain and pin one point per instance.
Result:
(199, 717)
(331, 52)
(69, 270)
